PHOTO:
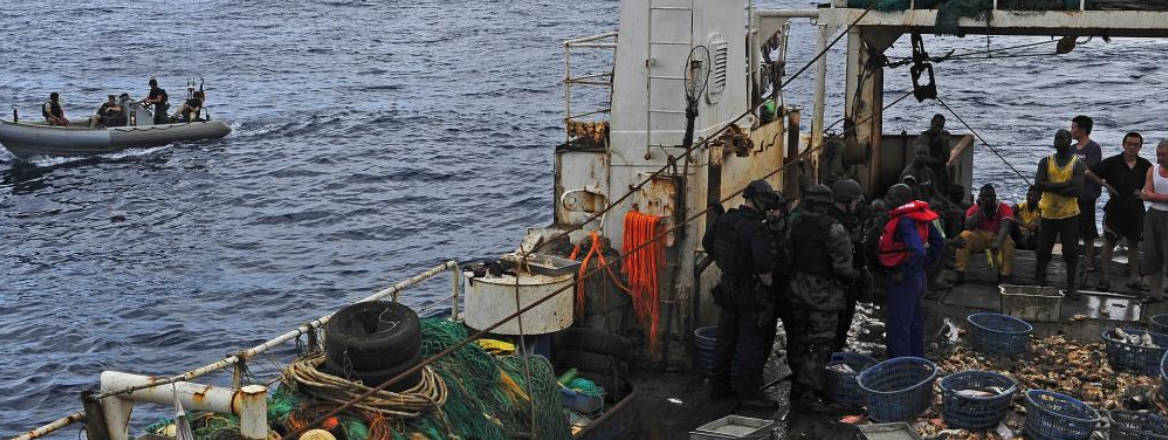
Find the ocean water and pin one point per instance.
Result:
(371, 140)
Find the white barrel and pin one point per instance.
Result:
(492, 298)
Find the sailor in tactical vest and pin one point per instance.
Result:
(822, 273)
(909, 244)
(740, 244)
(848, 195)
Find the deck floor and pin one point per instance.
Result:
(671, 404)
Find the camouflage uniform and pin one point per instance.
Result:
(817, 294)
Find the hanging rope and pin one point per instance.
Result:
(597, 250)
(641, 268)
(983, 141)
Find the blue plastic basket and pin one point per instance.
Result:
(897, 390)
(841, 387)
(1135, 358)
(1054, 416)
(1134, 425)
(1159, 323)
(975, 412)
(995, 333)
(1164, 376)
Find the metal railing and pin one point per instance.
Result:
(238, 359)
(605, 41)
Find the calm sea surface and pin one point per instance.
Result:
(372, 140)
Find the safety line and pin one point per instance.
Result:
(983, 141)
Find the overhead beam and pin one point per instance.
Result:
(1003, 22)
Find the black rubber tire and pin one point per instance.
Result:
(374, 378)
(615, 388)
(594, 362)
(375, 335)
(595, 341)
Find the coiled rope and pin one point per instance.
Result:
(428, 395)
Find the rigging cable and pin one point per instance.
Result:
(983, 141)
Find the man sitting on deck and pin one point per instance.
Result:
(1123, 216)
(1059, 177)
(987, 228)
(1026, 217)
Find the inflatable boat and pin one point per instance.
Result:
(26, 139)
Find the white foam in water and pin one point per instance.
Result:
(47, 161)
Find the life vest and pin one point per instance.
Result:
(892, 252)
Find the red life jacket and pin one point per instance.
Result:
(892, 252)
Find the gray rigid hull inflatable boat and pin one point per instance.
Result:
(37, 138)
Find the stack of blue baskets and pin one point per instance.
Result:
(1133, 425)
(995, 333)
(897, 390)
(1135, 358)
(1159, 323)
(968, 412)
(1054, 416)
(842, 387)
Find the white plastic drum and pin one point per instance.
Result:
(492, 298)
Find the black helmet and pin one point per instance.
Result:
(898, 194)
(756, 188)
(763, 195)
(817, 194)
(846, 190)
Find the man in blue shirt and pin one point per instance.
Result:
(1090, 154)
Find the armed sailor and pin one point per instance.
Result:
(822, 272)
(740, 244)
(848, 196)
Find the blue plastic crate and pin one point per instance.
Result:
(995, 333)
(897, 390)
(1159, 323)
(1134, 425)
(1135, 358)
(1055, 416)
(841, 387)
(969, 412)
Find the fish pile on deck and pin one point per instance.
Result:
(1054, 363)
(866, 334)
